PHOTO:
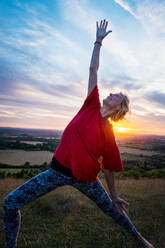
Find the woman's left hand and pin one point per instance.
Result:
(119, 204)
(101, 32)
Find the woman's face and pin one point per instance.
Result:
(113, 100)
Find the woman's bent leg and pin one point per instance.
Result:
(29, 191)
(96, 192)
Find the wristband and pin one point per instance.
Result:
(98, 43)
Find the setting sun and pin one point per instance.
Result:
(121, 129)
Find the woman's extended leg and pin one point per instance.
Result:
(96, 192)
(29, 191)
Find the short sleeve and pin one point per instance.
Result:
(111, 155)
(92, 100)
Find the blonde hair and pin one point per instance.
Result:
(119, 114)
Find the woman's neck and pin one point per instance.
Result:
(105, 114)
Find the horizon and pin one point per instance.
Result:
(118, 133)
(45, 55)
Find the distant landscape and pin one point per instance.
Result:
(57, 219)
(25, 152)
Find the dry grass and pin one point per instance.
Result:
(136, 151)
(19, 157)
(65, 218)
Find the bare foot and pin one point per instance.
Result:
(144, 242)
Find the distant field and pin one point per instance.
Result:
(65, 218)
(136, 151)
(19, 157)
(27, 142)
(31, 142)
(145, 146)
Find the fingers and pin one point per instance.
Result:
(108, 32)
(121, 201)
(125, 202)
(106, 24)
(101, 29)
(124, 209)
(103, 24)
(120, 206)
(97, 25)
(121, 209)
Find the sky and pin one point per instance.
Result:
(45, 53)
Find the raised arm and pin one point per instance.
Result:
(101, 33)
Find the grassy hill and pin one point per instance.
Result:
(65, 218)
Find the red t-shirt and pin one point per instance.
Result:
(87, 137)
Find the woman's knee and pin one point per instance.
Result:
(10, 202)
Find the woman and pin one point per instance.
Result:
(87, 145)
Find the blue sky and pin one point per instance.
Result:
(45, 52)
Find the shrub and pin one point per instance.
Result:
(159, 173)
(2, 174)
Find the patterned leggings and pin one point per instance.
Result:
(46, 182)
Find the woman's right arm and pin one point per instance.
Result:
(94, 64)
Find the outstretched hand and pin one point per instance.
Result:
(119, 204)
(101, 32)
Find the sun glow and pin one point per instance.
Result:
(122, 128)
(126, 127)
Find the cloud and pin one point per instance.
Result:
(39, 46)
(121, 81)
(9, 77)
(45, 59)
(19, 93)
(18, 84)
(81, 15)
(35, 104)
(31, 10)
(150, 13)
(39, 59)
(157, 97)
(126, 6)
(139, 62)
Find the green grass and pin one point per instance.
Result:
(145, 146)
(133, 157)
(65, 218)
(137, 174)
(10, 170)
